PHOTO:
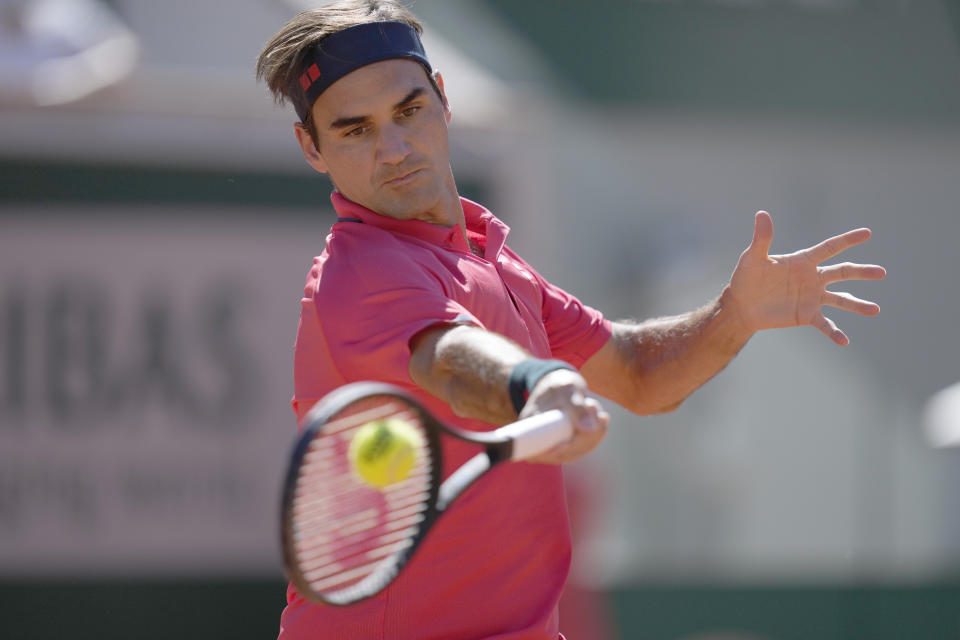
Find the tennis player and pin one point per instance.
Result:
(417, 287)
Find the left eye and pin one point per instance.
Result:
(409, 111)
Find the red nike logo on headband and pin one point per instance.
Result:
(309, 76)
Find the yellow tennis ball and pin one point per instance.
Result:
(384, 452)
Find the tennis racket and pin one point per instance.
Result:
(344, 540)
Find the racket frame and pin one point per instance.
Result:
(325, 410)
(512, 442)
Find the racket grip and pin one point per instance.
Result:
(537, 434)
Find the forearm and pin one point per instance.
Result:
(472, 370)
(468, 368)
(653, 366)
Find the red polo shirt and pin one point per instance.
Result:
(494, 565)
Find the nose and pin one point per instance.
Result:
(392, 146)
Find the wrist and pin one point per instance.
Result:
(731, 315)
(525, 375)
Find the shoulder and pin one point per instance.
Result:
(360, 257)
(350, 239)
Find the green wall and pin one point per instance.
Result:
(241, 609)
(825, 612)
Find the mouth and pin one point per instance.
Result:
(403, 179)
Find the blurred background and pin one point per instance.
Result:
(157, 221)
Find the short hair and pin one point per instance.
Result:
(285, 57)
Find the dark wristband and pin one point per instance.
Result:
(526, 375)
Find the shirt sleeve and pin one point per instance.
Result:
(370, 306)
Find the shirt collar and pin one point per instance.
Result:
(481, 224)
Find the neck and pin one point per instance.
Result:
(449, 210)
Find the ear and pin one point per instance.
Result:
(314, 159)
(448, 114)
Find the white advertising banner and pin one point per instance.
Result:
(145, 380)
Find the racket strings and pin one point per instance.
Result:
(345, 530)
(333, 546)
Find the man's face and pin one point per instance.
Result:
(382, 137)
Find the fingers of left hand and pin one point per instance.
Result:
(830, 329)
(851, 271)
(838, 244)
(848, 302)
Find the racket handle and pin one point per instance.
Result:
(537, 434)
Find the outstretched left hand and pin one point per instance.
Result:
(767, 291)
